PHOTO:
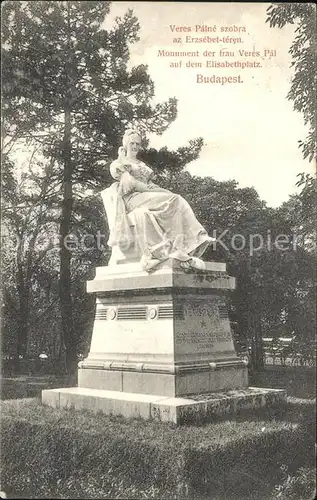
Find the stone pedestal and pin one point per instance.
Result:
(166, 334)
(159, 340)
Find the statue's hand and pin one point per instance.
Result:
(162, 190)
(155, 187)
(122, 154)
(123, 160)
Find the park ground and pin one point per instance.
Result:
(263, 455)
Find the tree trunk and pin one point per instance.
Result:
(257, 343)
(65, 253)
(67, 334)
(23, 319)
(259, 360)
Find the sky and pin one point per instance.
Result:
(250, 129)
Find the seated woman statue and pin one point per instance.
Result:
(164, 224)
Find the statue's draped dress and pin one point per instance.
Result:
(165, 224)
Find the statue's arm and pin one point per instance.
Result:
(152, 186)
(118, 168)
(155, 187)
(122, 171)
(128, 183)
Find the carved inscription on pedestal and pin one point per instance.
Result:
(201, 340)
(205, 326)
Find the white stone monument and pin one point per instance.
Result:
(162, 346)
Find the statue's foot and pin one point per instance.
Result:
(193, 263)
(197, 263)
(148, 264)
(211, 240)
(185, 265)
(162, 250)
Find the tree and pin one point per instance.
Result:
(25, 221)
(274, 282)
(66, 85)
(307, 210)
(299, 212)
(303, 52)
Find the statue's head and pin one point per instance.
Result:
(131, 141)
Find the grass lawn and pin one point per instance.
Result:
(299, 381)
(29, 386)
(50, 453)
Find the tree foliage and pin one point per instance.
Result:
(67, 87)
(275, 283)
(303, 53)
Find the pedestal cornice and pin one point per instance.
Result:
(130, 278)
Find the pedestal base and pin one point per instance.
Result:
(156, 380)
(195, 409)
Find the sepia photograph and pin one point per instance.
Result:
(158, 250)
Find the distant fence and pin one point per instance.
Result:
(282, 351)
(41, 365)
(33, 366)
(289, 351)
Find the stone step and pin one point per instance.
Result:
(192, 409)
